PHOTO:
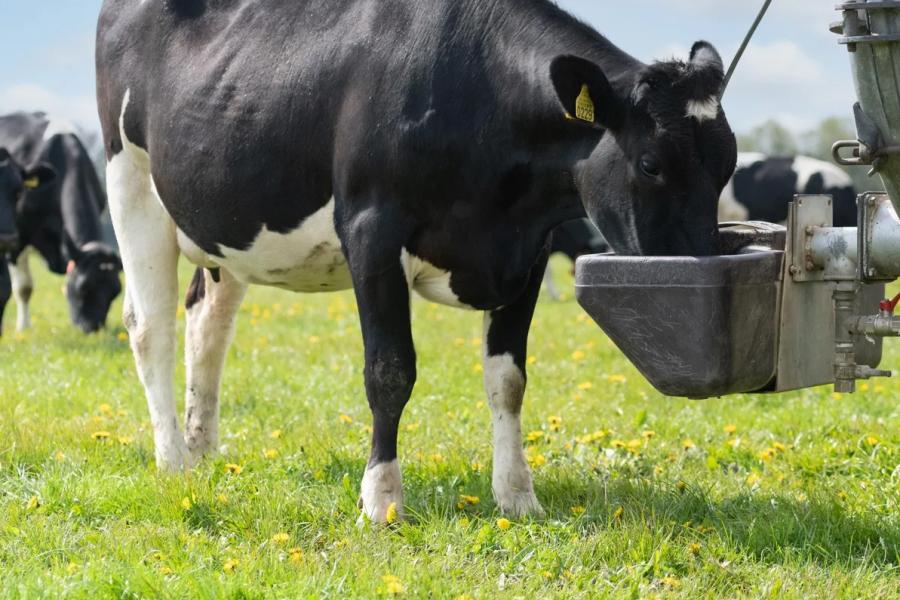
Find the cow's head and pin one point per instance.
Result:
(39, 219)
(653, 182)
(14, 182)
(92, 283)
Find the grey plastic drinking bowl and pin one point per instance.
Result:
(694, 326)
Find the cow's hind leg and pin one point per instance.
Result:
(505, 348)
(382, 293)
(211, 309)
(149, 251)
(23, 286)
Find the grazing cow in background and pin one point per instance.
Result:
(426, 145)
(762, 188)
(573, 239)
(61, 222)
(14, 181)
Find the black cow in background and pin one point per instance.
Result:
(61, 222)
(763, 186)
(14, 181)
(573, 239)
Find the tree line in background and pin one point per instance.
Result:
(773, 139)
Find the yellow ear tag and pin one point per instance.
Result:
(31, 183)
(584, 105)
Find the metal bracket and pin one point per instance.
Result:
(807, 213)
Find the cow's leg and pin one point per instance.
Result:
(5, 289)
(211, 309)
(149, 251)
(382, 294)
(23, 286)
(550, 284)
(505, 347)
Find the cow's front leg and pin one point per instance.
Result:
(505, 347)
(5, 289)
(211, 308)
(382, 293)
(23, 286)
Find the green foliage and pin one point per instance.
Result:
(792, 496)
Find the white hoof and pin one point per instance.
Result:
(381, 495)
(173, 456)
(519, 504)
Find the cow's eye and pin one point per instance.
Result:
(650, 166)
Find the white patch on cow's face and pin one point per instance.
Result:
(308, 259)
(832, 175)
(429, 281)
(58, 126)
(150, 257)
(703, 110)
(382, 485)
(504, 383)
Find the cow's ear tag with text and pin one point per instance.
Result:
(584, 105)
(32, 183)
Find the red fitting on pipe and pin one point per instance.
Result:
(889, 305)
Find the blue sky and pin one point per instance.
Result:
(794, 71)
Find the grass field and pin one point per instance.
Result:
(792, 496)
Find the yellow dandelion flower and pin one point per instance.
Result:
(547, 575)
(620, 512)
(464, 522)
(105, 409)
(270, 453)
(872, 440)
(842, 495)
(504, 524)
(779, 446)
(477, 368)
(534, 436)
(554, 422)
(617, 444)
(314, 339)
(222, 499)
(753, 479)
(730, 429)
(101, 435)
(295, 554)
(837, 396)
(648, 434)
(864, 387)
(122, 337)
(164, 570)
(72, 567)
(532, 360)
(617, 378)
(469, 500)
(458, 342)
(577, 510)
(694, 549)
(578, 355)
(436, 458)
(767, 454)
(670, 582)
(734, 442)
(125, 440)
(688, 444)
(476, 342)
(393, 585)
(538, 460)
(33, 503)
(345, 419)
(186, 503)
(60, 456)
(681, 486)
(476, 466)
(391, 515)
(231, 565)
(413, 427)
(276, 435)
(634, 445)
(281, 538)
(584, 386)
(233, 469)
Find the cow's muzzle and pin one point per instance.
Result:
(8, 242)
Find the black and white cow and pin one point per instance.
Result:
(14, 182)
(385, 146)
(61, 222)
(573, 239)
(763, 186)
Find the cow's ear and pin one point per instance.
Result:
(705, 56)
(586, 96)
(73, 252)
(39, 176)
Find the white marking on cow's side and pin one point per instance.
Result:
(504, 383)
(703, 110)
(57, 126)
(382, 485)
(149, 252)
(308, 259)
(209, 332)
(832, 175)
(23, 285)
(429, 281)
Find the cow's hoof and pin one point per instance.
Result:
(381, 496)
(174, 457)
(200, 448)
(519, 504)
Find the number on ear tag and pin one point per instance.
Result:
(32, 183)
(584, 105)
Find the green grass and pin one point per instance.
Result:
(800, 501)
